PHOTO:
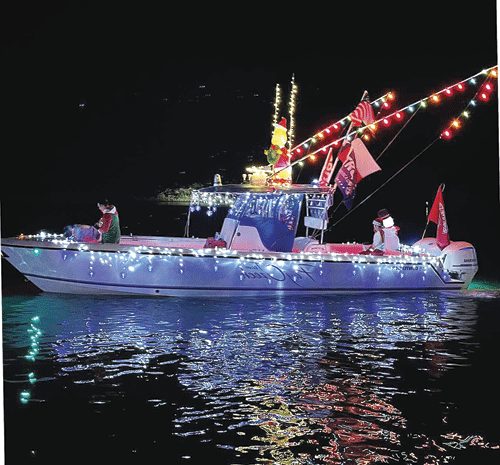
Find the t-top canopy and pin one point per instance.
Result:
(238, 189)
(273, 211)
(226, 195)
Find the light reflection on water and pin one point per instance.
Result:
(323, 380)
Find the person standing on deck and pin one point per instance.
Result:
(109, 224)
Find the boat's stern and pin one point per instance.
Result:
(459, 259)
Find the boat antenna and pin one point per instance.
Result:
(442, 186)
(292, 104)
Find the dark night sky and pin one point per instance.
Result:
(137, 67)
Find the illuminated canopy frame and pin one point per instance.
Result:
(273, 211)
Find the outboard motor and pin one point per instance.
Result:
(459, 258)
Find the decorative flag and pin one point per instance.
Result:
(346, 181)
(327, 171)
(363, 114)
(357, 164)
(365, 164)
(438, 216)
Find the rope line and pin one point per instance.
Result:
(398, 133)
(386, 182)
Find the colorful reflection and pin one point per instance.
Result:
(344, 380)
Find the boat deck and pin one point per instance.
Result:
(185, 243)
(168, 242)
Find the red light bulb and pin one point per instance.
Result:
(447, 134)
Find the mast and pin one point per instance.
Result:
(277, 104)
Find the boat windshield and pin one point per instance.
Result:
(285, 208)
(275, 216)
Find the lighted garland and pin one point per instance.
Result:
(411, 255)
(276, 104)
(384, 102)
(211, 200)
(291, 111)
(483, 94)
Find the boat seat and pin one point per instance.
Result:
(228, 229)
(301, 244)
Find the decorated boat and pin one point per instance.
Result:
(257, 250)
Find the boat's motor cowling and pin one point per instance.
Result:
(458, 259)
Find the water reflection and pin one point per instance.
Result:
(328, 380)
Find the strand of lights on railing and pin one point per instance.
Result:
(130, 260)
(483, 94)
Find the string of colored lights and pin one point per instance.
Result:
(338, 125)
(483, 94)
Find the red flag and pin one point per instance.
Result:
(344, 151)
(363, 114)
(327, 171)
(438, 216)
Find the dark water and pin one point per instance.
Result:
(376, 378)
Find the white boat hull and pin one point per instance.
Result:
(62, 267)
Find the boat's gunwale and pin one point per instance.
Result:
(402, 258)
